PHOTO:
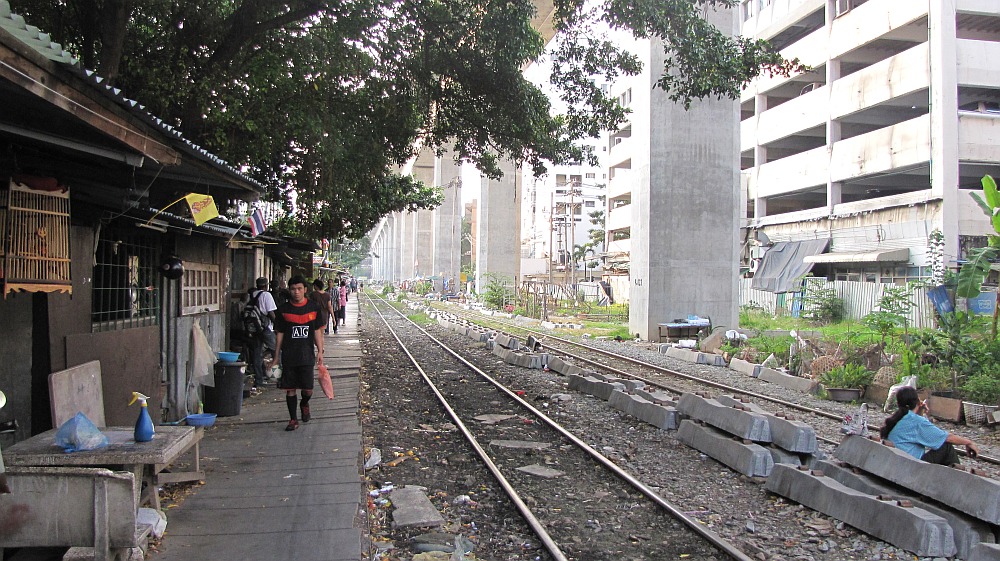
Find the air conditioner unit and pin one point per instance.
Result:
(844, 6)
(810, 87)
(754, 265)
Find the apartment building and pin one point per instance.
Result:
(850, 167)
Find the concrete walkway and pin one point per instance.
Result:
(271, 494)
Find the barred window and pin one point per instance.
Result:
(200, 291)
(126, 291)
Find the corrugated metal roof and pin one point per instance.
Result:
(42, 43)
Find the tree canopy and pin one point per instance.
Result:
(328, 99)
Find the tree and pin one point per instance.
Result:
(323, 101)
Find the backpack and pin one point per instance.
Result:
(254, 320)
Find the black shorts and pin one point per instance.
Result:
(296, 377)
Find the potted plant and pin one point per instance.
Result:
(847, 382)
(982, 394)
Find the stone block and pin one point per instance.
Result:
(967, 531)
(532, 343)
(413, 508)
(711, 359)
(913, 529)
(656, 396)
(506, 341)
(782, 456)
(746, 367)
(660, 416)
(787, 380)
(548, 325)
(752, 460)
(985, 552)
(682, 354)
(743, 424)
(563, 367)
(968, 493)
(794, 436)
(663, 347)
(603, 389)
(576, 382)
(713, 342)
(632, 385)
(627, 403)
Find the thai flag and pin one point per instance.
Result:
(257, 225)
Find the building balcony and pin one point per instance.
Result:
(977, 63)
(903, 145)
(619, 218)
(873, 20)
(619, 247)
(621, 149)
(979, 137)
(621, 184)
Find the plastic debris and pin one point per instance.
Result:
(374, 458)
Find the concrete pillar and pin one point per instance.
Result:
(498, 242)
(423, 233)
(834, 190)
(448, 223)
(408, 230)
(685, 253)
(944, 119)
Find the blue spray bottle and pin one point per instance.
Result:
(143, 425)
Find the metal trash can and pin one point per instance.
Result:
(226, 398)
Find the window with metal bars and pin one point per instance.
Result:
(126, 287)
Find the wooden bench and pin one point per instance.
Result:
(71, 507)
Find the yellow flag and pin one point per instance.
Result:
(203, 208)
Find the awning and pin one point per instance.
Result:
(785, 264)
(884, 256)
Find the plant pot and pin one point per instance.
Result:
(943, 406)
(977, 413)
(844, 394)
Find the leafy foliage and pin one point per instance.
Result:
(498, 292)
(847, 376)
(323, 102)
(821, 304)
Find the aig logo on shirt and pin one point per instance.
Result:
(300, 332)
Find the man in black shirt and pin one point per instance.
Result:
(299, 326)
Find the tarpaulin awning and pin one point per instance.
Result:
(884, 256)
(784, 265)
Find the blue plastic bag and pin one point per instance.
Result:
(80, 433)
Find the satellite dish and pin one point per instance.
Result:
(3, 400)
(763, 239)
(754, 265)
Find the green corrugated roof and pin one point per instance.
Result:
(32, 36)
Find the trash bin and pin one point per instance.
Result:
(226, 398)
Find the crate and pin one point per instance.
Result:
(977, 413)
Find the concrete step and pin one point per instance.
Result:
(744, 424)
(972, 494)
(752, 460)
(913, 529)
(792, 435)
(967, 531)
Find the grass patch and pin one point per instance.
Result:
(420, 318)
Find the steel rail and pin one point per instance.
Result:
(536, 526)
(791, 405)
(712, 537)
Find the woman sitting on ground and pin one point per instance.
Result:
(912, 433)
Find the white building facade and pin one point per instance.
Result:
(879, 144)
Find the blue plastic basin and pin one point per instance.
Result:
(228, 357)
(200, 419)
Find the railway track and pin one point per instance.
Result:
(826, 423)
(525, 436)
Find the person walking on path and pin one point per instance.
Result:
(333, 292)
(299, 327)
(262, 300)
(912, 433)
(323, 300)
(343, 302)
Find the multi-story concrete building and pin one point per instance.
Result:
(875, 147)
(556, 214)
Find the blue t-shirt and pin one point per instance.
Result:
(915, 435)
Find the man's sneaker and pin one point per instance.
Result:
(305, 414)
(292, 425)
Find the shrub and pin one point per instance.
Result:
(820, 304)
(847, 376)
(982, 388)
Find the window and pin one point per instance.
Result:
(200, 290)
(591, 175)
(590, 204)
(126, 286)
(748, 9)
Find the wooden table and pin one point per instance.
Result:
(144, 459)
